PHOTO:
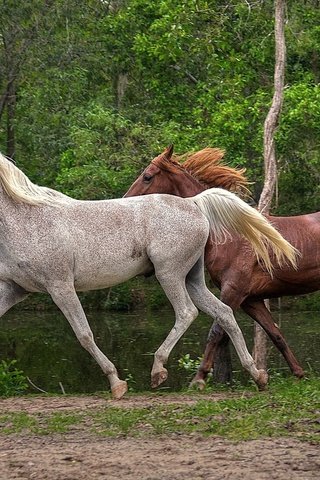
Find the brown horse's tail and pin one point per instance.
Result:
(228, 213)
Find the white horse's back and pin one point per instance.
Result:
(98, 244)
(114, 240)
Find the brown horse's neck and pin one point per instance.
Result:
(173, 178)
(187, 186)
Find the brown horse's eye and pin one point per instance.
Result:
(147, 178)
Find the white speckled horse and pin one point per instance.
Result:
(52, 243)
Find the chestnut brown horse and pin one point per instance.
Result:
(233, 266)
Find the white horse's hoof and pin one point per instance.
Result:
(159, 377)
(119, 390)
(262, 380)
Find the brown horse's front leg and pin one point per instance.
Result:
(259, 312)
(217, 346)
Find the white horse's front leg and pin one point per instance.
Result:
(183, 320)
(185, 312)
(67, 300)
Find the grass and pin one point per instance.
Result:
(288, 408)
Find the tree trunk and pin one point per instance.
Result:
(122, 83)
(11, 104)
(222, 367)
(270, 164)
(3, 102)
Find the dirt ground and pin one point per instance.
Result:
(80, 455)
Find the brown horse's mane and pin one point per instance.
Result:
(208, 168)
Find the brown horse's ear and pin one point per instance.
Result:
(168, 152)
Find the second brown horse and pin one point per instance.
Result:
(233, 266)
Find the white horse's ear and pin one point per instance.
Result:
(168, 152)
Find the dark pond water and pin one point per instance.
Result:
(48, 352)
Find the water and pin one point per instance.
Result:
(48, 352)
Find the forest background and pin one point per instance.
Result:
(91, 91)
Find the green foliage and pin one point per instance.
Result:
(189, 364)
(103, 87)
(130, 381)
(289, 408)
(106, 153)
(298, 147)
(61, 422)
(119, 297)
(304, 303)
(12, 380)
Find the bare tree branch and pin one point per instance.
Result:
(270, 163)
(272, 120)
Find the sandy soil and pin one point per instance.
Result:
(79, 455)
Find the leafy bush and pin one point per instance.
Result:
(12, 380)
(189, 364)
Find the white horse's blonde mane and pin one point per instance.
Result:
(20, 189)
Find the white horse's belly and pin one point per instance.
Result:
(106, 273)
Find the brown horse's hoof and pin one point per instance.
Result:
(119, 390)
(262, 380)
(198, 384)
(159, 377)
(299, 373)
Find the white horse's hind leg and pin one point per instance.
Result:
(185, 313)
(10, 294)
(208, 303)
(68, 302)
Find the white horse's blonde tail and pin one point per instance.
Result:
(228, 213)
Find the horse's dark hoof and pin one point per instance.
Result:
(159, 377)
(299, 373)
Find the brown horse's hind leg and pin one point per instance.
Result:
(258, 311)
(216, 346)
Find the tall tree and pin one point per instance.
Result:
(270, 163)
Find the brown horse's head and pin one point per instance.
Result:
(187, 175)
(165, 175)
